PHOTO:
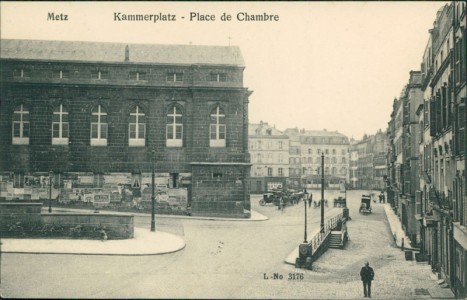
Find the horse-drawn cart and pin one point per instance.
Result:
(365, 206)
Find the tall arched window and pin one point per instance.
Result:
(60, 126)
(217, 128)
(20, 126)
(137, 128)
(99, 126)
(174, 129)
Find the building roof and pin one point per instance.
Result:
(264, 129)
(322, 133)
(115, 52)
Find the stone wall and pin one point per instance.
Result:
(13, 212)
(116, 226)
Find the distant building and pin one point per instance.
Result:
(269, 152)
(315, 143)
(295, 163)
(99, 118)
(368, 163)
(353, 165)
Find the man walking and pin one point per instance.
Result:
(310, 199)
(367, 274)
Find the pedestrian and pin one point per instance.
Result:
(384, 197)
(367, 274)
(310, 199)
(381, 198)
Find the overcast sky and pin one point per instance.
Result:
(327, 65)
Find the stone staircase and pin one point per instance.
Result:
(335, 240)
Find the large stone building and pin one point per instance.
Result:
(269, 152)
(409, 201)
(100, 118)
(431, 184)
(368, 165)
(315, 143)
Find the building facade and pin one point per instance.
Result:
(269, 151)
(315, 143)
(435, 182)
(353, 164)
(95, 120)
(459, 89)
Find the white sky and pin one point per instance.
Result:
(326, 65)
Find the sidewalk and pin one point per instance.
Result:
(144, 242)
(396, 228)
(290, 259)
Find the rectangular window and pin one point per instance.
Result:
(21, 73)
(174, 77)
(26, 130)
(213, 132)
(94, 131)
(60, 126)
(18, 181)
(61, 74)
(269, 172)
(103, 131)
(98, 75)
(132, 131)
(218, 77)
(65, 130)
(20, 126)
(137, 76)
(281, 172)
(56, 130)
(99, 127)
(98, 180)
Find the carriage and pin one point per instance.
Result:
(340, 202)
(274, 196)
(365, 206)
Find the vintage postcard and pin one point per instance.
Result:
(234, 150)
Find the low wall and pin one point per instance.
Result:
(226, 209)
(115, 226)
(24, 212)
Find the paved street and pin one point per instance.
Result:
(229, 259)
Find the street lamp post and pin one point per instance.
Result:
(305, 193)
(153, 196)
(50, 191)
(322, 193)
